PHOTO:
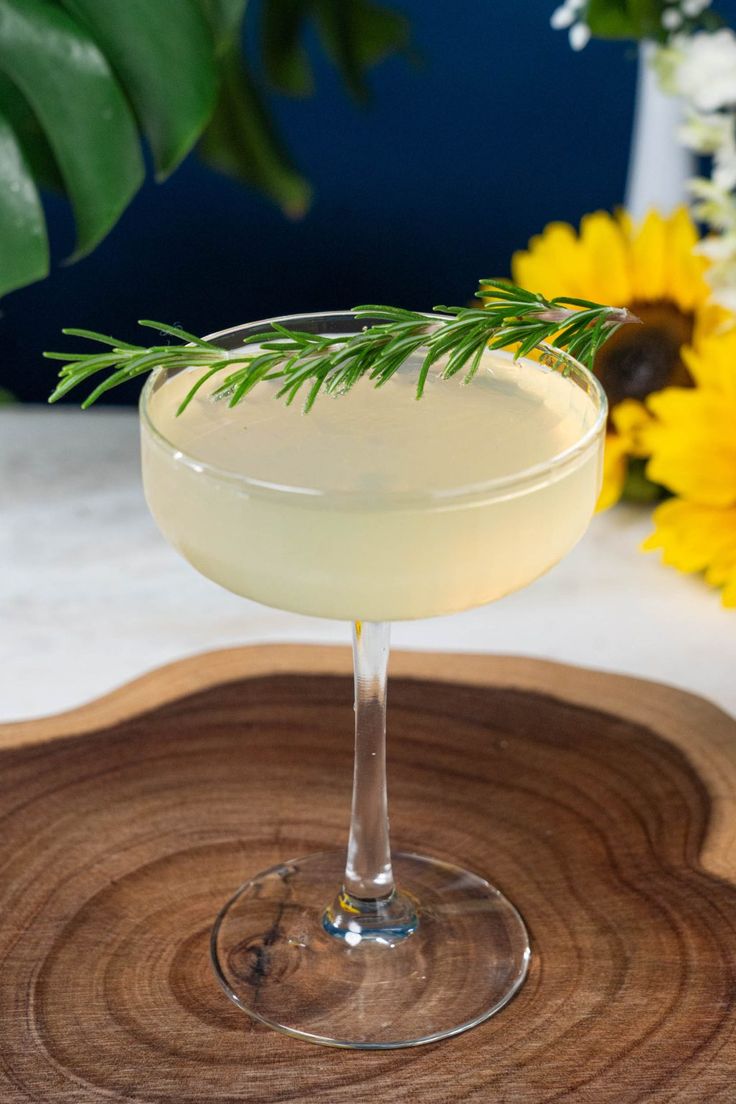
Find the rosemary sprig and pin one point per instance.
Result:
(510, 317)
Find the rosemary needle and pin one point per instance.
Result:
(510, 317)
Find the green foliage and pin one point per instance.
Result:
(22, 227)
(625, 18)
(284, 57)
(82, 80)
(66, 80)
(637, 487)
(163, 56)
(355, 34)
(30, 136)
(224, 18)
(242, 140)
(511, 317)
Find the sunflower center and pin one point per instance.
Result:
(640, 359)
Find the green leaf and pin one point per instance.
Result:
(6, 396)
(624, 18)
(357, 34)
(67, 65)
(68, 83)
(163, 55)
(284, 57)
(225, 18)
(241, 140)
(36, 148)
(637, 487)
(647, 17)
(379, 32)
(23, 245)
(334, 20)
(610, 19)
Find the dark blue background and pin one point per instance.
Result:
(456, 164)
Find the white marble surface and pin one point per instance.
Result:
(91, 595)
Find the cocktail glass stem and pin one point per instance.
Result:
(368, 905)
(368, 872)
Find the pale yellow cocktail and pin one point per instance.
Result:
(376, 505)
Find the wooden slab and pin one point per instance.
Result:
(605, 808)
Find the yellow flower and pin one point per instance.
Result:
(692, 442)
(696, 538)
(631, 420)
(692, 438)
(651, 269)
(615, 460)
(628, 420)
(613, 261)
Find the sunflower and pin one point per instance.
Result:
(691, 439)
(652, 269)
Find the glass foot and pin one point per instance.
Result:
(458, 954)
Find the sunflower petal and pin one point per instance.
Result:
(605, 249)
(551, 265)
(728, 595)
(684, 279)
(615, 463)
(649, 251)
(712, 363)
(696, 538)
(632, 419)
(711, 319)
(626, 222)
(692, 444)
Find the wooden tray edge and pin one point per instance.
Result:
(700, 729)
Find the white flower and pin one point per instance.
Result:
(725, 296)
(566, 14)
(671, 19)
(722, 276)
(713, 133)
(694, 8)
(706, 74)
(724, 167)
(717, 247)
(702, 69)
(666, 62)
(713, 205)
(562, 17)
(707, 132)
(579, 36)
(720, 249)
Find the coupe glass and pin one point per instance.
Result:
(370, 949)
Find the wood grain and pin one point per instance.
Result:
(603, 806)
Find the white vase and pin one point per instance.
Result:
(658, 165)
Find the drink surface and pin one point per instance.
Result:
(373, 505)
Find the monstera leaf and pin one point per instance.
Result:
(356, 35)
(241, 139)
(82, 81)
